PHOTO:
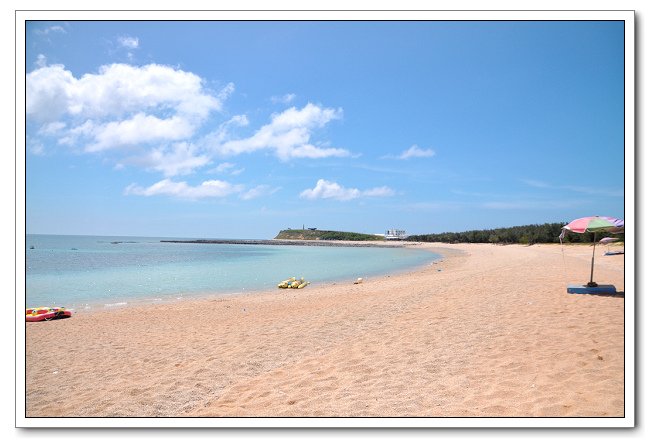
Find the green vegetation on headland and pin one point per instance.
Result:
(310, 234)
(530, 234)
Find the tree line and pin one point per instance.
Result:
(529, 234)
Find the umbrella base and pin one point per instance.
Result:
(618, 252)
(584, 289)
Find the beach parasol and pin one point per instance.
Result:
(594, 224)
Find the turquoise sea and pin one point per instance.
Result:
(90, 272)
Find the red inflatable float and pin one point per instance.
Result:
(46, 313)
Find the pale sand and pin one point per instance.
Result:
(490, 331)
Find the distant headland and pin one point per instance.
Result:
(325, 235)
(304, 237)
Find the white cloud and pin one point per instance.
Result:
(34, 146)
(178, 159)
(71, 137)
(52, 128)
(139, 129)
(284, 99)
(288, 135)
(207, 189)
(41, 60)
(226, 92)
(129, 42)
(119, 100)
(152, 114)
(310, 116)
(260, 190)
(51, 29)
(413, 152)
(223, 133)
(378, 192)
(330, 190)
(325, 189)
(238, 120)
(225, 166)
(47, 92)
(166, 187)
(152, 111)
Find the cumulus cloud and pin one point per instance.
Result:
(129, 42)
(413, 152)
(167, 187)
(138, 129)
(118, 92)
(150, 117)
(139, 109)
(325, 189)
(288, 135)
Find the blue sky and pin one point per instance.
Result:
(241, 129)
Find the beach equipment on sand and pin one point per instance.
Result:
(608, 241)
(46, 313)
(593, 224)
(292, 283)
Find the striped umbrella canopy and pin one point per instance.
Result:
(596, 224)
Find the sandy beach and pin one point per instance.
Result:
(489, 331)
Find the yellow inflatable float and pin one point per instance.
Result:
(293, 283)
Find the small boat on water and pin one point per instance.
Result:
(293, 283)
(46, 313)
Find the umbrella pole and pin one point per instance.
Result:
(591, 279)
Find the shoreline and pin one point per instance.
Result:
(128, 302)
(486, 331)
(143, 304)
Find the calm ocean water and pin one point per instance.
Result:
(88, 272)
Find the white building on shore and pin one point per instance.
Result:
(395, 234)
